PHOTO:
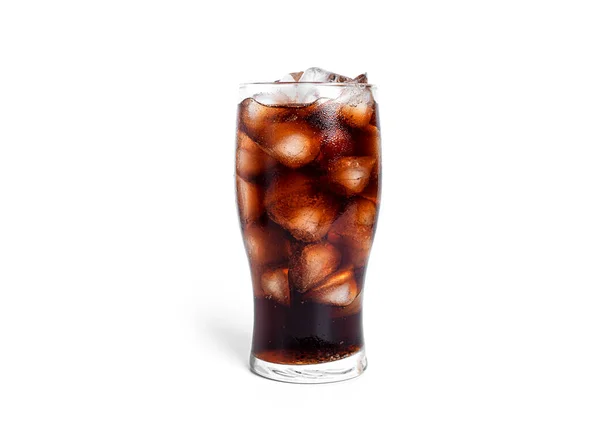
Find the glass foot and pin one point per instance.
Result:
(338, 370)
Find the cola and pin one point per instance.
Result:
(308, 173)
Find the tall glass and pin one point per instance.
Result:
(308, 173)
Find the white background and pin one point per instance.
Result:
(125, 303)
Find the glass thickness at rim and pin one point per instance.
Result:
(305, 89)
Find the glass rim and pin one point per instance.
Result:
(310, 83)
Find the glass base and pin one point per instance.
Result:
(338, 370)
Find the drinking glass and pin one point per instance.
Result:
(308, 173)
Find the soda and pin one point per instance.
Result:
(307, 180)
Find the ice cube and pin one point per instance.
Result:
(251, 160)
(372, 191)
(336, 139)
(361, 79)
(323, 114)
(312, 264)
(354, 230)
(255, 117)
(302, 93)
(351, 309)
(318, 75)
(290, 78)
(266, 244)
(250, 200)
(275, 286)
(294, 201)
(335, 142)
(350, 175)
(374, 118)
(368, 141)
(293, 144)
(274, 98)
(339, 289)
(298, 93)
(357, 105)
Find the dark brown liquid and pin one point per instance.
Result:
(308, 196)
(308, 333)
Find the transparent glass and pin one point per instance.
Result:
(308, 173)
